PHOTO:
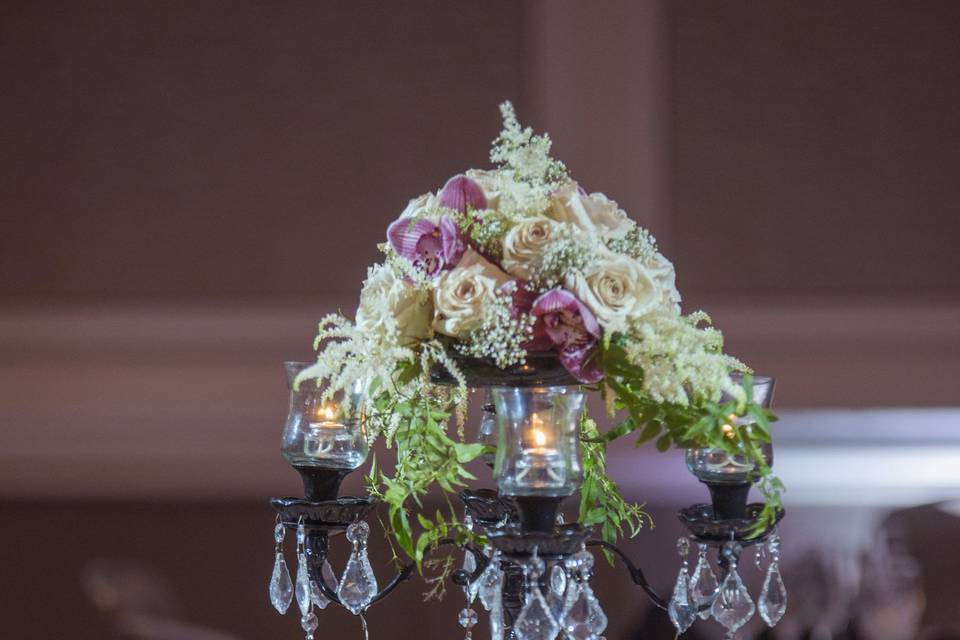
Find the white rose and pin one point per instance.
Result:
(617, 288)
(665, 278)
(489, 182)
(524, 244)
(393, 308)
(594, 213)
(425, 206)
(460, 295)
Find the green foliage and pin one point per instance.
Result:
(705, 424)
(426, 456)
(600, 500)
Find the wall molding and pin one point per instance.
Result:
(179, 401)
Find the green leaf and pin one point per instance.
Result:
(649, 432)
(663, 442)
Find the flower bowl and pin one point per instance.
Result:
(540, 370)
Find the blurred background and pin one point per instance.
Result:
(188, 186)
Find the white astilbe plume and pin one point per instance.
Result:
(347, 357)
(682, 362)
(527, 174)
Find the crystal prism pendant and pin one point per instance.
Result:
(681, 609)
(470, 566)
(304, 589)
(535, 621)
(556, 594)
(703, 585)
(358, 585)
(773, 598)
(281, 587)
(584, 619)
(733, 606)
(496, 615)
(330, 580)
(491, 583)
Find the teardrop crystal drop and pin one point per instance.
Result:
(535, 621)
(703, 585)
(330, 579)
(558, 579)
(733, 606)
(491, 583)
(773, 598)
(470, 566)
(681, 609)
(304, 590)
(281, 587)
(584, 619)
(496, 614)
(359, 584)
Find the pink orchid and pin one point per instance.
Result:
(428, 245)
(461, 193)
(572, 329)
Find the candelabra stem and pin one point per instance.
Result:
(321, 484)
(538, 513)
(729, 500)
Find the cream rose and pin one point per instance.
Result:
(594, 213)
(616, 288)
(665, 278)
(425, 206)
(391, 306)
(524, 244)
(460, 294)
(489, 182)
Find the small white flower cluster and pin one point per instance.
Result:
(638, 243)
(682, 362)
(501, 334)
(487, 231)
(570, 251)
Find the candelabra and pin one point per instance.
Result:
(533, 574)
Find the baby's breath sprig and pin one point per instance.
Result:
(566, 254)
(502, 334)
(486, 230)
(637, 243)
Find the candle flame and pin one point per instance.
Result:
(326, 411)
(539, 438)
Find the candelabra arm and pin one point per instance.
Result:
(636, 574)
(407, 570)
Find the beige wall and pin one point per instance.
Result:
(187, 187)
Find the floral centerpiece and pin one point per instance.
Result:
(517, 260)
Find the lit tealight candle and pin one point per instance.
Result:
(325, 429)
(538, 437)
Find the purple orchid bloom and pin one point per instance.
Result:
(572, 329)
(428, 245)
(461, 193)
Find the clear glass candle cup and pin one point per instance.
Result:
(718, 466)
(538, 443)
(323, 434)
